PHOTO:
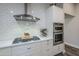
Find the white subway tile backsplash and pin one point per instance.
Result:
(9, 27)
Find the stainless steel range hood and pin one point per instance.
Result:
(26, 17)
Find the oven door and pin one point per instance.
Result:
(58, 38)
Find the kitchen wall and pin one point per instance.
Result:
(72, 28)
(38, 10)
(10, 28)
(8, 25)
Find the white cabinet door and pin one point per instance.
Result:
(50, 47)
(28, 49)
(5, 51)
(47, 47)
(55, 14)
(18, 50)
(21, 50)
(55, 50)
(58, 48)
(36, 49)
(42, 48)
(58, 14)
(32, 49)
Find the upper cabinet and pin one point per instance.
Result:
(69, 8)
(58, 14)
(55, 14)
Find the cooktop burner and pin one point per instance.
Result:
(18, 40)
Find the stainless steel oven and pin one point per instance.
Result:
(58, 38)
(57, 33)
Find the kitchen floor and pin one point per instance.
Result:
(61, 54)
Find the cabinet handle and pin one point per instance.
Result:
(47, 40)
(47, 43)
(29, 48)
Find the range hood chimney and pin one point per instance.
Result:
(26, 17)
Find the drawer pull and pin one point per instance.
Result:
(47, 40)
(29, 48)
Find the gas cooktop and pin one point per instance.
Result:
(18, 40)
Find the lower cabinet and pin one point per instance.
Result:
(27, 50)
(58, 48)
(20, 50)
(47, 48)
(5, 51)
(42, 48)
(36, 49)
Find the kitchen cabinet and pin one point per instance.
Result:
(47, 48)
(27, 50)
(55, 14)
(41, 48)
(58, 14)
(36, 49)
(20, 50)
(69, 8)
(51, 47)
(58, 48)
(5, 51)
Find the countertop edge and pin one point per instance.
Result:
(18, 44)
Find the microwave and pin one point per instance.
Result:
(58, 27)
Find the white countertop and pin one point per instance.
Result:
(4, 44)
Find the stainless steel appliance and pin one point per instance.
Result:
(25, 16)
(58, 38)
(57, 33)
(57, 27)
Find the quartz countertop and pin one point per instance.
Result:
(5, 44)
